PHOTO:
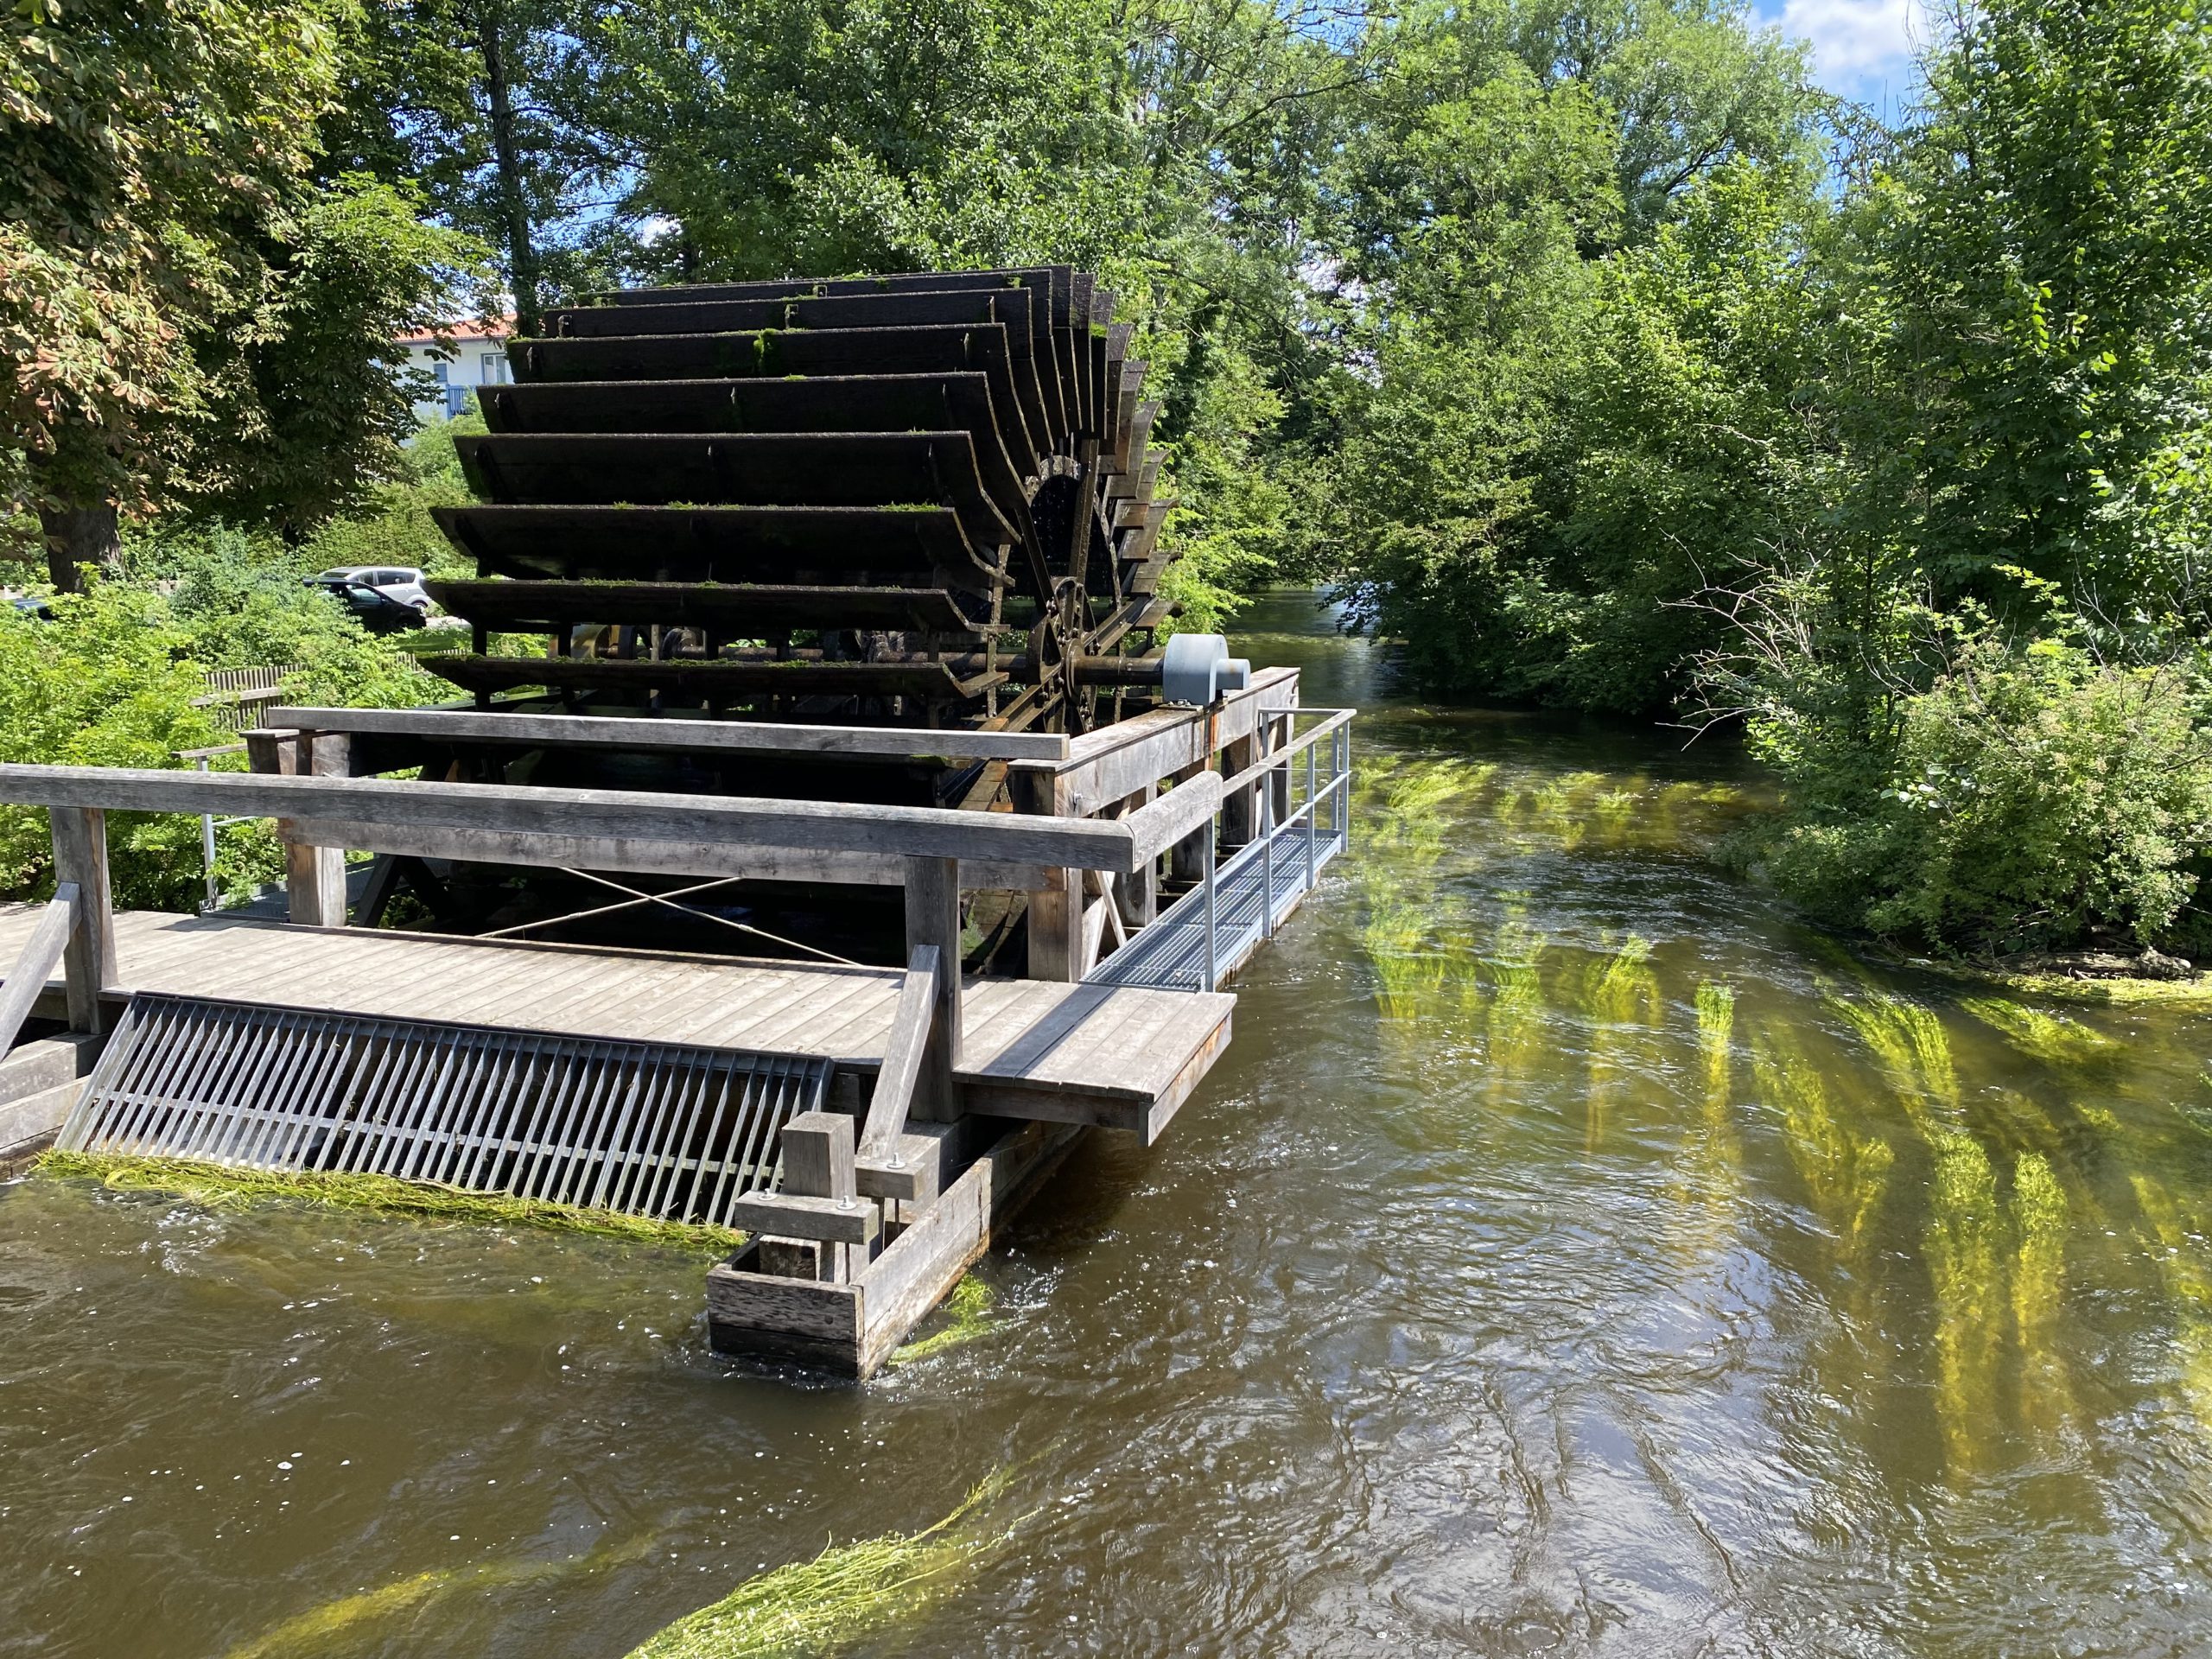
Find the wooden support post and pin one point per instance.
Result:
(1186, 859)
(817, 1164)
(314, 877)
(1138, 893)
(1055, 915)
(1240, 808)
(88, 962)
(933, 919)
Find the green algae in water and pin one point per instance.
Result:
(2039, 1225)
(1711, 1172)
(1962, 1251)
(216, 1186)
(969, 1310)
(846, 1592)
(1911, 1044)
(2057, 1037)
(310, 1635)
(1846, 1174)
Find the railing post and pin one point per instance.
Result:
(1268, 857)
(933, 919)
(1313, 815)
(207, 845)
(88, 964)
(1054, 921)
(314, 877)
(1213, 976)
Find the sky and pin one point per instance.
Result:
(1861, 48)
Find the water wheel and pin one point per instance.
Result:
(917, 500)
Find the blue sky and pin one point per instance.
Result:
(1861, 48)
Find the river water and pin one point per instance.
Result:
(1572, 1255)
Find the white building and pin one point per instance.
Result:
(482, 362)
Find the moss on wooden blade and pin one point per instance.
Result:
(221, 1187)
(845, 1594)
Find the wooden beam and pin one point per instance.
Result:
(1116, 761)
(35, 962)
(790, 1215)
(826, 826)
(818, 1151)
(677, 732)
(88, 960)
(1175, 817)
(912, 1022)
(752, 863)
(1053, 921)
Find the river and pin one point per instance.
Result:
(1572, 1255)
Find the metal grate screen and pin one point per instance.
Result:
(671, 1132)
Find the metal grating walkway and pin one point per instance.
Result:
(1212, 930)
(669, 1131)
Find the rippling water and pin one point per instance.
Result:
(1572, 1256)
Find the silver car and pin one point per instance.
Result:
(397, 583)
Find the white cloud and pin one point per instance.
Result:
(1853, 40)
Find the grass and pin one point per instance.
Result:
(218, 1186)
(842, 1594)
(968, 1309)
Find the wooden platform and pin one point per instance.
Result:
(1119, 1057)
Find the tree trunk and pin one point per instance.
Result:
(77, 536)
(514, 205)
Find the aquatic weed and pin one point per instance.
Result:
(2057, 1037)
(1845, 1174)
(842, 1594)
(1961, 1247)
(308, 1635)
(2039, 1224)
(223, 1186)
(969, 1310)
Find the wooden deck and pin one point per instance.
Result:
(1117, 1056)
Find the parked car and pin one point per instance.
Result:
(380, 597)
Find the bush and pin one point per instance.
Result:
(104, 683)
(110, 680)
(2030, 796)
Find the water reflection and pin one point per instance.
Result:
(1573, 1254)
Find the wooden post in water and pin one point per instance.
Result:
(817, 1164)
(88, 962)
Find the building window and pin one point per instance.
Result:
(495, 369)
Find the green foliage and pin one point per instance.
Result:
(106, 682)
(2031, 794)
(110, 681)
(186, 316)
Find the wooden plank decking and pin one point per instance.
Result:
(1119, 1057)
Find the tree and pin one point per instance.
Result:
(487, 108)
(158, 226)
